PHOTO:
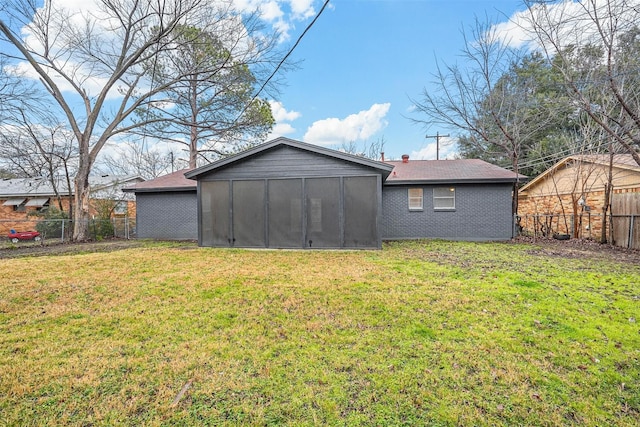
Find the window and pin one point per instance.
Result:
(444, 198)
(415, 199)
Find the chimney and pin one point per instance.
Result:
(405, 158)
(382, 156)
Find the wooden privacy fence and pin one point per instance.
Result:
(626, 231)
(625, 220)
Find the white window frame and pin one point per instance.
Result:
(415, 201)
(441, 194)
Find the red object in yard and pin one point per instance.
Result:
(16, 236)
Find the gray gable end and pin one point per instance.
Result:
(283, 158)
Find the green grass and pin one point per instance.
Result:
(420, 333)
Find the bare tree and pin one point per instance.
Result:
(371, 150)
(131, 158)
(95, 66)
(493, 106)
(595, 45)
(40, 150)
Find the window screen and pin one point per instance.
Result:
(248, 214)
(415, 198)
(323, 213)
(215, 213)
(285, 213)
(360, 211)
(444, 198)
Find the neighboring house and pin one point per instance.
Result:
(570, 196)
(166, 207)
(21, 197)
(289, 194)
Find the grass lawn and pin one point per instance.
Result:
(420, 333)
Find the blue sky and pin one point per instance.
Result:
(363, 60)
(360, 64)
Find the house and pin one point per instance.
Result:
(166, 207)
(569, 197)
(465, 199)
(289, 194)
(21, 197)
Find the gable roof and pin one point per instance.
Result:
(174, 181)
(449, 172)
(282, 141)
(622, 161)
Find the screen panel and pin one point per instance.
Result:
(285, 213)
(215, 213)
(249, 214)
(323, 213)
(360, 212)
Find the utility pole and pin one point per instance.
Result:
(437, 136)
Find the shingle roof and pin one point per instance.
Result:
(449, 171)
(39, 187)
(622, 161)
(175, 181)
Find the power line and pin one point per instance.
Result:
(283, 60)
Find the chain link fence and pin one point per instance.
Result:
(62, 229)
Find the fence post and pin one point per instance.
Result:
(62, 233)
(572, 225)
(631, 221)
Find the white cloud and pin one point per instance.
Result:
(355, 127)
(270, 11)
(92, 85)
(282, 117)
(281, 129)
(572, 21)
(280, 114)
(513, 32)
(448, 150)
(302, 9)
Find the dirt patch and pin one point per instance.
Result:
(572, 248)
(25, 249)
(580, 248)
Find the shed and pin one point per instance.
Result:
(289, 194)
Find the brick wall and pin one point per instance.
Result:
(558, 213)
(25, 221)
(167, 215)
(482, 212)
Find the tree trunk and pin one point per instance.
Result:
(81, 201)
(516, 185)
(607, 196)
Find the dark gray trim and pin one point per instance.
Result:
(160, 190)
(453, 181)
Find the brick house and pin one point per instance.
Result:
(289, 194)
(569, 196)
(20, 198)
